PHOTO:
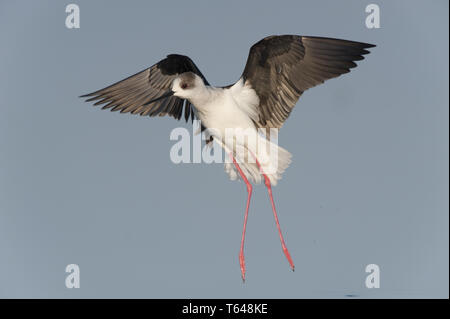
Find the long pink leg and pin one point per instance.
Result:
(269, 190)
(249, 196)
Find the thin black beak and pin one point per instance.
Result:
(167, 94)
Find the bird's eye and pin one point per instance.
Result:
(184, 85)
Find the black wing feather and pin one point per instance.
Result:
(281, 68)
(133, 93)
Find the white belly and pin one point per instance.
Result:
(228, 118)
(224, 113)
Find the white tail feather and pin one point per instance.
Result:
(273, 164)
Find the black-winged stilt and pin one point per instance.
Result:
(278, 70)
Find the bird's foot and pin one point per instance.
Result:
(242, 264)
(288, 256)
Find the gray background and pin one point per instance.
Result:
(368, 184)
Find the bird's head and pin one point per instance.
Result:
(187, 85)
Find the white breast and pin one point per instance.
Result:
(233, 107)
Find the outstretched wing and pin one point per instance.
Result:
(136, 93)
(281, 68)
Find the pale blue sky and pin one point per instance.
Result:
(368, 182)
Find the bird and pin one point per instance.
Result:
(279, 69)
